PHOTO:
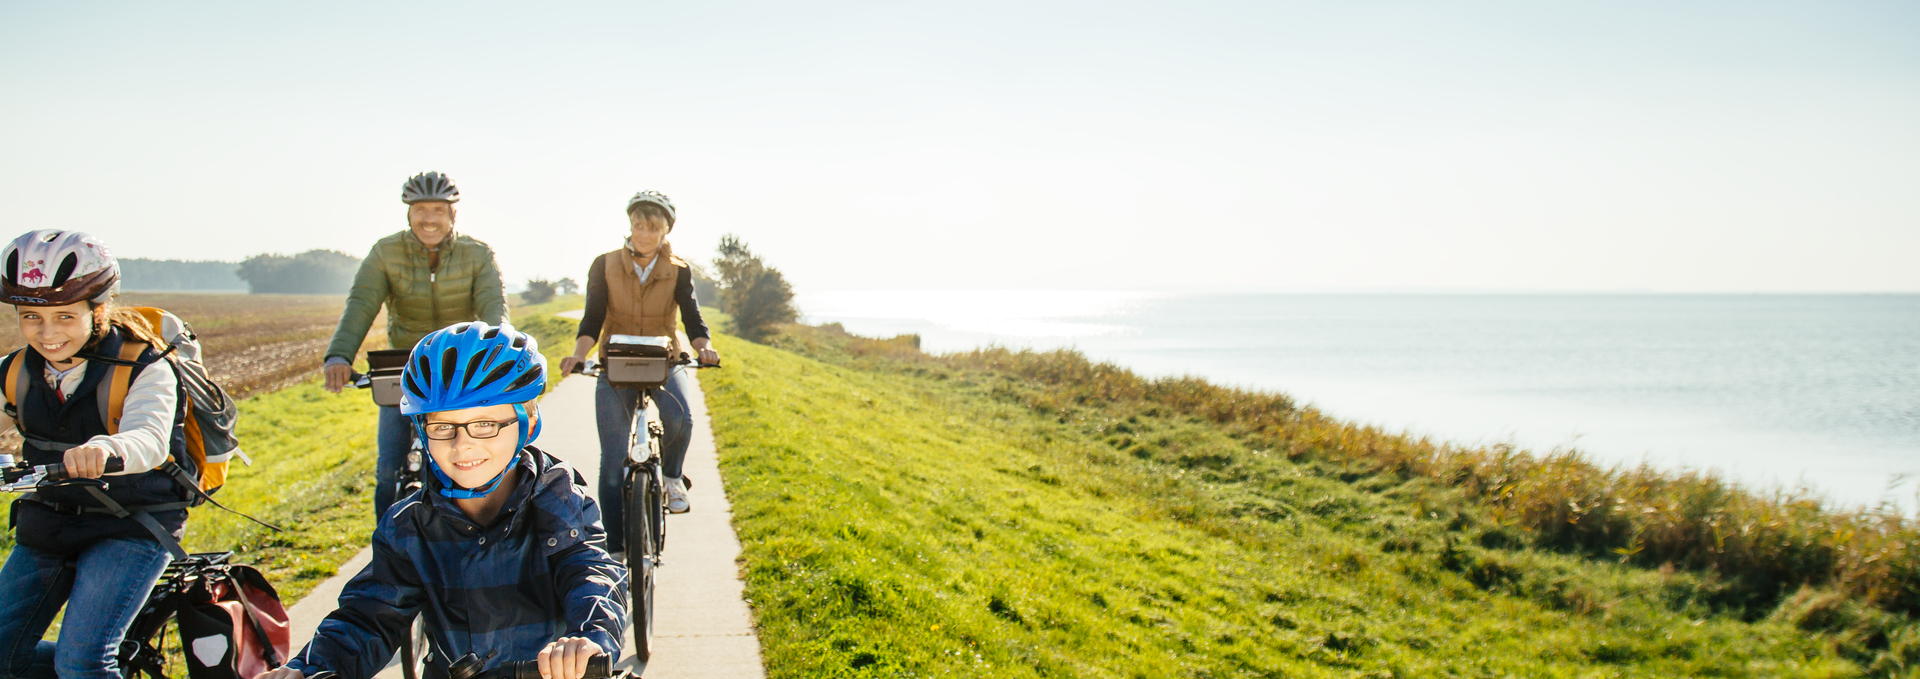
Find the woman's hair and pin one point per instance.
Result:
(654, 216)
(129, 321)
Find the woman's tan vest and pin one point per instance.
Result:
(636, 307)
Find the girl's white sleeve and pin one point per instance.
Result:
(146, 419)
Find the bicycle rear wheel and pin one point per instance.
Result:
(142, 650)
(642, 558)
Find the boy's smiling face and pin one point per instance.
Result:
(472, 462)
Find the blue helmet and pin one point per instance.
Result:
(472, 365)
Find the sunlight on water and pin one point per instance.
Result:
(1775, 390)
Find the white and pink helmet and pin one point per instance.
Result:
(51, 267)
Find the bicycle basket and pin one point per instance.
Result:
(637, 362)
(383, 374)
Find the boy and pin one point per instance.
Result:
(501, 552)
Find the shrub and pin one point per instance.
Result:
(756, 295)
(538, 290)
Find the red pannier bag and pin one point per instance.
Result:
(232, 626)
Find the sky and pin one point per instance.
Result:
(1190, 146)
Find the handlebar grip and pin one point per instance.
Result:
(598, 667)
(58, 472)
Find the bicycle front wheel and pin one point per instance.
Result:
(642, 556)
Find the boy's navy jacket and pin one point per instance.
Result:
(541, 572)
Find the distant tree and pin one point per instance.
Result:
(538, 290)
(172, 274)
(567, 286)
(310, 272)
(756, 295)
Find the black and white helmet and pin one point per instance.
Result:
(429, 186)
(654, 197)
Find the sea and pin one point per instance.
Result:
(1819, 393)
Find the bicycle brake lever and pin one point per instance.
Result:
(24, 484)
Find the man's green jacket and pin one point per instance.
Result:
(466, 287)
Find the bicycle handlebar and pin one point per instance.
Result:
(592, 368)
(25, 477)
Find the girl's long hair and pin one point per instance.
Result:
(129, 321)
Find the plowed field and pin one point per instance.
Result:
(252, 343)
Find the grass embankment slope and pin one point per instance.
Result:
(313, 450)
(909, 516)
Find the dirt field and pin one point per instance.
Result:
(253, 343)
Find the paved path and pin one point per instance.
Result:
(704, 628)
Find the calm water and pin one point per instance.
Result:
(1821, 390)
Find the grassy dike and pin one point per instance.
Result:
(926, 520)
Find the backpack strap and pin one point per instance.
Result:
(179, 475)
(16, 383)
(144, 519)
(113, 400)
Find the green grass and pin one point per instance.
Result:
(556, 305)
(907, 517)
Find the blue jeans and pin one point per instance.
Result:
(395, 438)
(613, 410)
(103, 587)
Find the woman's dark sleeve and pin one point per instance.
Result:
(596, 313)
(689, 307)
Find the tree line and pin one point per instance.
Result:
(740, 283)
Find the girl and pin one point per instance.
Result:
(69, 549)
(638, 290)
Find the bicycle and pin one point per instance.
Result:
(642, 363)
(382, 381)
(141, 650)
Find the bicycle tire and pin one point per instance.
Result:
(641, 560)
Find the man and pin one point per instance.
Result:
(429, 278)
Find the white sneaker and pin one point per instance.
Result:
(677, 496)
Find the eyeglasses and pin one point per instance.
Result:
(480, 429)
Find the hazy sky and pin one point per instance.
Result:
(1692, 146)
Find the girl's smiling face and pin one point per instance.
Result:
(57, 332)
(471, 462)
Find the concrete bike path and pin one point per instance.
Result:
(703, 627)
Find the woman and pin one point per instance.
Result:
(637, 290)
(69, 551)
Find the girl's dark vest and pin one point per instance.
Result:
(47, 520)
